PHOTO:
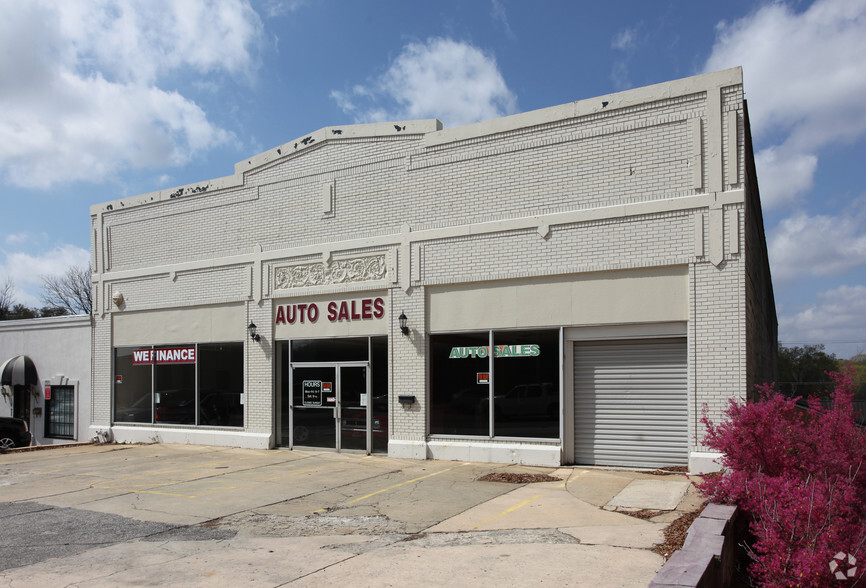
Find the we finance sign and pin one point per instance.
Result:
(163, 356)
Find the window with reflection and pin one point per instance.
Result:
(459, 391)
(526, 383)
(525, 376)
(133, 388)
(342, 349)
(379, 392)
(180, 384)
(174, 391)
(221, 384)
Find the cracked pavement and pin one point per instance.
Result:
(111, 515)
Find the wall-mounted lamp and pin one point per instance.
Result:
(251, 329)
(403, 328)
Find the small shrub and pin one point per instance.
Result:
(801, 475)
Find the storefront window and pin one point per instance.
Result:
(460, 393)
(525, 378)
(133, 388)
(221, 382)
(526, 384)
(174, 392)
(379, 393)
(185, 384)
(343, 349)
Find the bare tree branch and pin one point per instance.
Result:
(7, 299)
(71, 291)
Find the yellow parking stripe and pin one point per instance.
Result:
(212, 490)
(321, 510)
(398, 485)
(509, 510)
(572, 478)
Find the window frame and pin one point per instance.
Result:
(491, 436)
(197, 392)
(49, 404)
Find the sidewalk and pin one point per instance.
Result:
(205, 516)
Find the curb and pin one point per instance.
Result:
(709, 553)
(49, 446)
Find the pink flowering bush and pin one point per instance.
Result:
(801, 475)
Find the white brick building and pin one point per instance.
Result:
(609, 251)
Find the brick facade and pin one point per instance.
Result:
(650, 178)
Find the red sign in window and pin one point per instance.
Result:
(483, 377)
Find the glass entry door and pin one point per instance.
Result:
(314, 406)
(330, 407)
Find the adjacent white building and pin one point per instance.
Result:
(56, 403)
(574, 283)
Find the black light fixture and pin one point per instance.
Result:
(251, 329)
(403, 328)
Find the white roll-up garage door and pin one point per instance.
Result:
(631, 403)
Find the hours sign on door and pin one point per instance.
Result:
(312, 392)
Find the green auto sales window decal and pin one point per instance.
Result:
(531, 350)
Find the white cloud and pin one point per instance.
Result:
(26, 270)
(619, 75)
(624, 39)
(625, 42)
(81, 97)
(139, 40)
(499, 15)
(837, 318)
(440, 78)
(805, 82)
(804, 246)
(16, 238)
(784, 174)
(278, 8)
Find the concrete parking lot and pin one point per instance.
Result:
(111, 515)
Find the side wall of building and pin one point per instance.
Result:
(762, 326)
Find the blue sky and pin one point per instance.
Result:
(106, 98)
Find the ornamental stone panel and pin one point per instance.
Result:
(343, 271)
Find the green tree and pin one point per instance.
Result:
(858, 365)
(802, 370)
(19, 311)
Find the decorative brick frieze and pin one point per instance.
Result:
(341, 271)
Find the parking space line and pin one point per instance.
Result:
(199, 481)
(321, 510)
(571, 478)
(150, 476)
(527, 501)
(508, 510)
(398, 485)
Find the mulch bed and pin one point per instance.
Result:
(667, 471)
(675, 534)
(643, 513)
(511, 478)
